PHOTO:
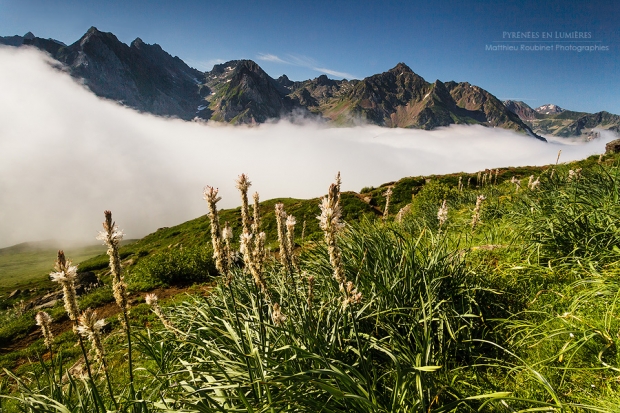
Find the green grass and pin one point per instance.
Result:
(27, 265)
(518, 314)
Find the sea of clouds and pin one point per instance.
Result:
(67, 155)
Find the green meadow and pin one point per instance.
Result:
(489, 292)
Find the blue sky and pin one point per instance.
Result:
(443, 40)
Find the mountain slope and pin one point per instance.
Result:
(401, 98)
(141, 76)
(241, 92)
(552, 120)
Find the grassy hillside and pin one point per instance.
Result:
(27, 265)
(507, 301)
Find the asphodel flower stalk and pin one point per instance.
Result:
(310, 291)
(352, 296)
(90, 327)
(256, 211)
(476, 216)
(442, 214)
(253, 256)
(44, 320)
(290, 238)
(152, 301)
(112, 237)
(329, 222)
(210, 195)
(243, 184)
(276, 315)
(281, 217)
(574, 174)
(388, 196)
(228, 254)
(402, 212)
(65, 274)
(517, 183)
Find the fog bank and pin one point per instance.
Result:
(66, 156)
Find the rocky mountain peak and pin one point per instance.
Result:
(29, 36)
(137, 43)
(92, 31)
(549, 109)
(401, 68)
(285, 81)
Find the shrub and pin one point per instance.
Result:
(175, 266)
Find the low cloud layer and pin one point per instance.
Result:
(66, 156)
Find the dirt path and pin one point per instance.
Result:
(105, 311)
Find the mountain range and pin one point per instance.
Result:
(553, 120)
(145, 77)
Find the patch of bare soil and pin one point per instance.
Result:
(105, 311)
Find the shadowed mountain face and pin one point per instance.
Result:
(146, 78)
(140, 76)
(552, 120)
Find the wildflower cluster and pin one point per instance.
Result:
(252, 240)
(574, 175)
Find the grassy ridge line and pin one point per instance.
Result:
(196, 232)
(24, 268)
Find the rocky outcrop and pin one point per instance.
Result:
(612, 147)
(85, 282)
